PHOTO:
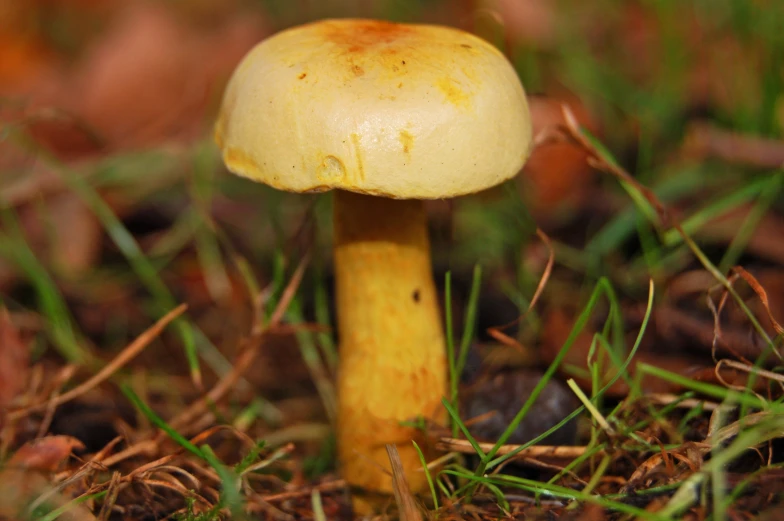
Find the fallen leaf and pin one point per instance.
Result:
(529, 22)
(75, 236)
(45, 454)
(151, 77)
(557, 176)
(22, 487)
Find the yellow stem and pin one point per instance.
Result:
(392, 355)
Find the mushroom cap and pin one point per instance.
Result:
(395, 110)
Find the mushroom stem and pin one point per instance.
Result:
(393, 361)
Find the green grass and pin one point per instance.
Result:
(231, 496)
(457, 359)
(60, 324)
(659, 247)
(39, 513)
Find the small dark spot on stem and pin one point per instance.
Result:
(416, 295)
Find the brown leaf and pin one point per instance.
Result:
(526, 21)
(45, 454)
(63, 134)
(63, 232)
(557, 174)
(76, 234)
(152, 77)
(22, 487)
(763, 296)
(134, 77)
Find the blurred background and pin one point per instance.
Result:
(115, 205)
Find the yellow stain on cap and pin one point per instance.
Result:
(407, 140)
(453, 93)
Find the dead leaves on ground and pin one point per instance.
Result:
(25, 479)
(149, 76)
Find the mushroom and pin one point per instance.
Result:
(386, 115)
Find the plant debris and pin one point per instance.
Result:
(167, 348)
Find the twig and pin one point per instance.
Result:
(535, 451)
(302, 492)
(246, 358)
(497, 331)
(142, 447)
(63, 377)
(127, 354)
(761, 293)
(603, 162)
(747, 368)
(689, 403)
(406, 504)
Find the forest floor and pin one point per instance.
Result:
(166, 339)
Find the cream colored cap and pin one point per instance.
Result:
(402, 111)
